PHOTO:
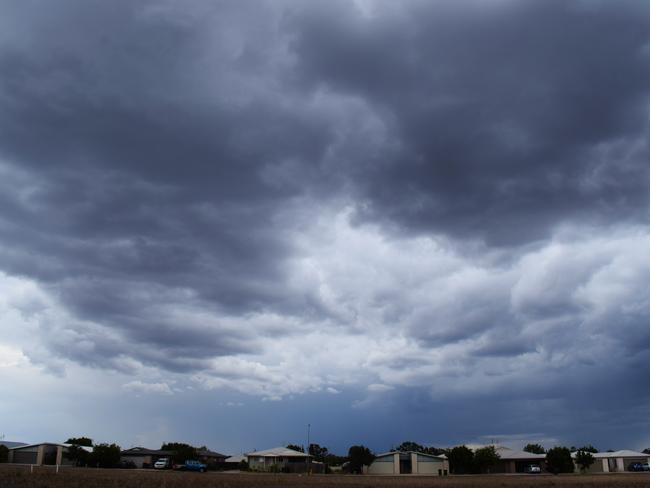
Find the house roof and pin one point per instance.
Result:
(506, 453)
(441, 456)
(278, 452)
(235, 459)
(24, 446)
(624, 453)
(143, 451)
(209, 453)
(11, 444)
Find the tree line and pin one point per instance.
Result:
(462, 460)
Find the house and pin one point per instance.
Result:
(613, 462)
(45, 453)
(514, 461)
(213, 459)
(411, 462)
(278, 459)
(143, 457)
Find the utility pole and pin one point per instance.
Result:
(308, 453)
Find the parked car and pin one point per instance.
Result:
(635, 467)
(191, 465)
(646, 466)
(533, 468)
(126, 465)
(162, 463)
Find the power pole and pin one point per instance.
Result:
(308, 453)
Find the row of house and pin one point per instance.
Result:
(289, 460)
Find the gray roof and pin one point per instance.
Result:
(624, 453)
(209, 453)
(12, 444)
(278, 452)
(437, 456)
(24, 446)
(143, 451)
(236, 459)
(513, 454)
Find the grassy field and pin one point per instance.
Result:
(20, 477)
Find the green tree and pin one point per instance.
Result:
(318, 453)
(76, 451)
(407, 446)
(584, 459)
(105, 455)
(80, 441)
(588, 448)
(461, 460)
(4, 453)
(558, 460)
(360, 456)
(410, 446)
(485, 458)
(182, 451)
(535, 448)
(296, 447)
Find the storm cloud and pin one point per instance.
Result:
(414, 203)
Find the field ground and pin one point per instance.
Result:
(20, 477)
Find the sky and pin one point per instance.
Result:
(221, 221)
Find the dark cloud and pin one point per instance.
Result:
(509, 119)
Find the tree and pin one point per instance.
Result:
(80, 441)
(4, 453)
(558, 460)
(182, 452)
(410, 446)
(76, 451)
(588, 448)
(407, 446)
(105, 455)
(535, 448)
(359, 457)
(584, 459)
(296, 447)
(461, 460)
(646, 450)
(485, 458)
(318, 453)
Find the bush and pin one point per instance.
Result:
(558, 460)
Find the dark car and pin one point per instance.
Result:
(635, 467)
(126, 465)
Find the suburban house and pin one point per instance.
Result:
(40, 454)
(143, 457)
(613, 462)
(513, 461)
(278, 459)
(211, 458)
(410, 462)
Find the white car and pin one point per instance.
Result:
(162, 463)
(533, 468)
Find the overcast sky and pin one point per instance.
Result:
(423, 220)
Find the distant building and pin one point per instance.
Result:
(514, 461)
(143, 457)
(278, 459)
(40, 454)
(614, 462)
(411, 462)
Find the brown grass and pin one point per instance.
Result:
(20, 477)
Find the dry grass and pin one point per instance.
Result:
(20, 477)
